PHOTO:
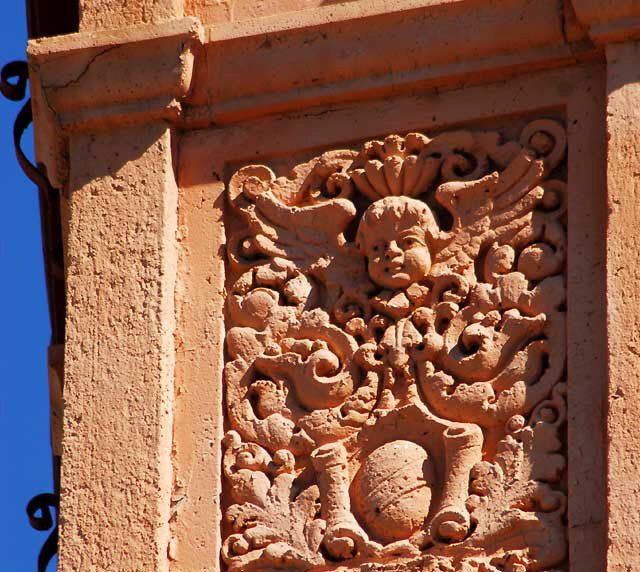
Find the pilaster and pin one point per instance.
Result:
(103, 103)
(118, 394)
(623, 296)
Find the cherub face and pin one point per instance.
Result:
(398, 256)
(393, 237)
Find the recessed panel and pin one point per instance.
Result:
(395, 356)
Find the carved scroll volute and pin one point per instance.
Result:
(396, 352)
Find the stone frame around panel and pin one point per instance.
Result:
(199, 321)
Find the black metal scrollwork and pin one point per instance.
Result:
(13, 85)
(43, 503)
(49, 197)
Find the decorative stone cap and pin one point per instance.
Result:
(125, 75)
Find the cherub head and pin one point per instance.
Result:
(395, 234)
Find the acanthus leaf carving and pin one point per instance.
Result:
(396, 354)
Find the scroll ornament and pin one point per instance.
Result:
(396, 353)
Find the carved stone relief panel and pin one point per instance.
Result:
(395, 395)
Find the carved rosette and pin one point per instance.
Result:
(396, 353)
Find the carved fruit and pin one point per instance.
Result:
(258, 302)
(392, 490)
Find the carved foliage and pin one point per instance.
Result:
(396, 354)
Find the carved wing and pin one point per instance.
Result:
(302, 234)
(296, 225)
(499, 288)
(502, 212)
(291, 364)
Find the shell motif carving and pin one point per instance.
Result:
(395, 342)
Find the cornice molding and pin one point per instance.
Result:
(181, 72)
(342, 52)
(196, 76)
(122, 76)
(609, 21)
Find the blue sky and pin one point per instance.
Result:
(25, 468)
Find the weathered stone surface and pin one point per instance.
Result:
(119, 351)
(413, 351)
(623, 115)
(111, 14)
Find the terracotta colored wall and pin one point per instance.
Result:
(350, 285)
